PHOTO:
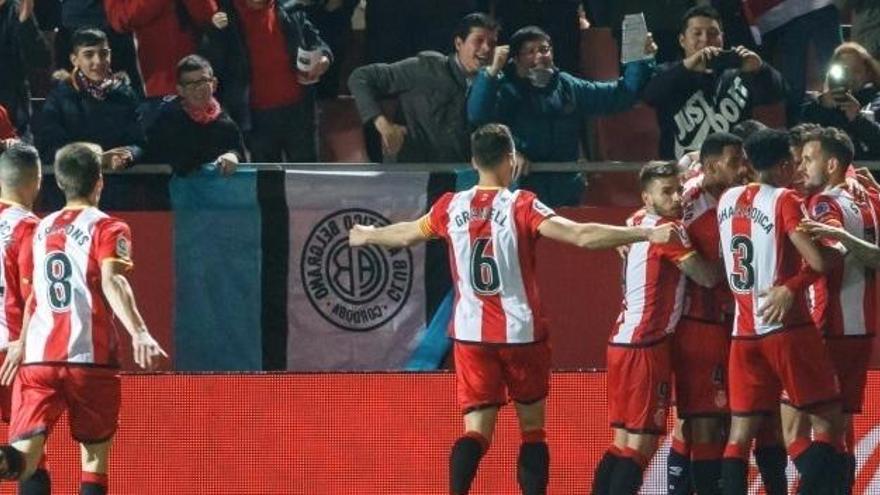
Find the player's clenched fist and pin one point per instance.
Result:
(359, 234)
(499, 59)
(662, 234)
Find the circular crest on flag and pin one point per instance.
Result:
(356, 289)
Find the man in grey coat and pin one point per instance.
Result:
(432, 90)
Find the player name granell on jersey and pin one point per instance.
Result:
(72, 232)
(498, 216)
(757, 216)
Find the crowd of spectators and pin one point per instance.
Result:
(188, 82)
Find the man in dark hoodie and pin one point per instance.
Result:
(711, 89)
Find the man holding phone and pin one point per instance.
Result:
(711, 89)
(850, 99)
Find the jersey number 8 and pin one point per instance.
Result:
(58, 273)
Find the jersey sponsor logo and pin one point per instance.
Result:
(355, 289)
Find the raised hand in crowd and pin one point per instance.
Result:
(650, 45)
(751, 61)
(499, 59)
(7, 143)
(392, 134)
(25, 9)
(522, 166)
(117, 158)
(699, 61)
(220, 20)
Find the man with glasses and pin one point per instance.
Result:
(192, 129)
(545, 108)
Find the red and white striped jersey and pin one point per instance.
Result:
(17, 225)
(755, 221)
(844, 301)
(491, 235)
(653, 286)
(70, 319)
(701, 223)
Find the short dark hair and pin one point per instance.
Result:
(490, 144)
(87, 37)
(656, 169)
(798, 134)
(18, 163)
(524, 35)
(699, 11)
(748, 127)
(191, 63)
(715, 143)
(474, 20)
(835, 143)
(767, 148)
(78, 169)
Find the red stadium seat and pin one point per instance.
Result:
(599, 55)
(772, 115)
(341, 133)
(629, 136)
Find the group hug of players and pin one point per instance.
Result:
(62, 281)
(748, 304)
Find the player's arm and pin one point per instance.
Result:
(396, 235)
(808, 250)
(598, 235)
(119, 295)
(15, 351)
(868, 254)
(700, 270)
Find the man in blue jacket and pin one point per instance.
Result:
(545, 108)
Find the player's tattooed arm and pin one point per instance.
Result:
(396, 235)
(867, 253)
(601, 236)
(703, 272)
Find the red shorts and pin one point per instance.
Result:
(792, 360)
(700, 351)
(486, 375)
(850, 357)
(638, 387)
(42, 392)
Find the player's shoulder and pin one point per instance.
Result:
(731, 194)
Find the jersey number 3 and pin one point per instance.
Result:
(58, 273)
(743, 277)
(485, 276)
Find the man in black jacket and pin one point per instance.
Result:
(22, 47)
(711, 89)
(267, 54)
(192, 129)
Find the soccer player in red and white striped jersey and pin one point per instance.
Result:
(499, 331)
(80, 256)
(639, 350)
(776, 347)
(844, 301)
(701, 340)
(19, 185)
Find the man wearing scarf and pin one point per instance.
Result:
(91, 104)
(192, 129)
(546, 108)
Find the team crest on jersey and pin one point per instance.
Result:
(123, 248)
(355, 289)
(820, 209)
